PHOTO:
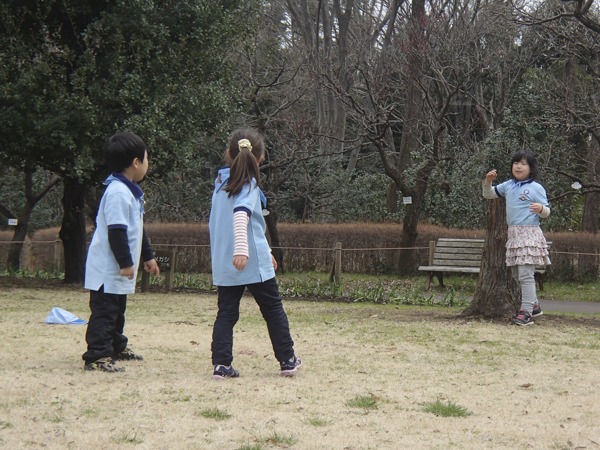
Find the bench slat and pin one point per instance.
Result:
(449, 269)
(456, 263)
(457, 255)
(458, 251)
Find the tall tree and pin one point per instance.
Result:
(89, 70)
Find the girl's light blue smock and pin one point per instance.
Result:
(122, 206)
(519, 195)
(222, 242)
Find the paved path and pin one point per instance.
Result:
(576, 307)
(563, 306)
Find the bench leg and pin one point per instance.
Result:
(428, 281)
(440, 277)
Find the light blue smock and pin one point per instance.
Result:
(519, 195)
(222, 241)
(119, 208)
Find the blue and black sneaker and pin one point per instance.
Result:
(289, 368)
(537, 311)
(223, 372)
(523, 318)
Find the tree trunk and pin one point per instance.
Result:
(591, 212)
(407, 240)
(271, 221)
(14, 254)
(72, 232)
(498, 295)
(392, 198)
(591, 207)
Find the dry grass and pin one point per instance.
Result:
(536, 387)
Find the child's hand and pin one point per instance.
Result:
(536, 208)
(491, 175)
(274, 262)
(240, 262)
(128, 272)
(152, 267)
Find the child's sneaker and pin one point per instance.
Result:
(537, 311)
(127, 355)
(223, 372)
(289, 368)
(523, 318)
(104, 365)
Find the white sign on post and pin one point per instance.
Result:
(407, 200)
(13, 222)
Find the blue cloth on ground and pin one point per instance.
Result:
(62, 317)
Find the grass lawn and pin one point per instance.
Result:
(374, 377)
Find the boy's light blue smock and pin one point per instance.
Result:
(122, 206)
(222, 242)
(519, 195)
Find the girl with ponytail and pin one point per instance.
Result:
(241, 257)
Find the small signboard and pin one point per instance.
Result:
(164, 260)
(13, 222)
(407, 200)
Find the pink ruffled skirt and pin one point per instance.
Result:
(526, 244)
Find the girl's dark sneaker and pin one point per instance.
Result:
(104, 365)
(523, 318)
(223, 372)
(537, 311)
(289, 368)
(127, 355)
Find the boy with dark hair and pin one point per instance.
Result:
(114, 253)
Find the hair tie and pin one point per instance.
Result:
(244, 143)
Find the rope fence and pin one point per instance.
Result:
(196, 257)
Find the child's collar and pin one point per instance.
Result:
(133, 187)
(521, 183)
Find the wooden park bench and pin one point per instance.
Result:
(461, 256)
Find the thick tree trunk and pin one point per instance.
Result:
(591, 212)
(498, 295)
(72, 232)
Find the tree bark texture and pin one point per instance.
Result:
(498, 295)
(72, 232)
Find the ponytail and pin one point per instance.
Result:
(245, 149)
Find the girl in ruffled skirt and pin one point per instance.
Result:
(526, 247)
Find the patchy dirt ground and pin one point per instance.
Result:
(533, 387)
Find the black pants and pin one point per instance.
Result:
(267, 297)
(104, 335)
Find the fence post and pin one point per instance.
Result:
(337, 262)
(57, 251)
(166, 260)
(431, 252)
(145, 275)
